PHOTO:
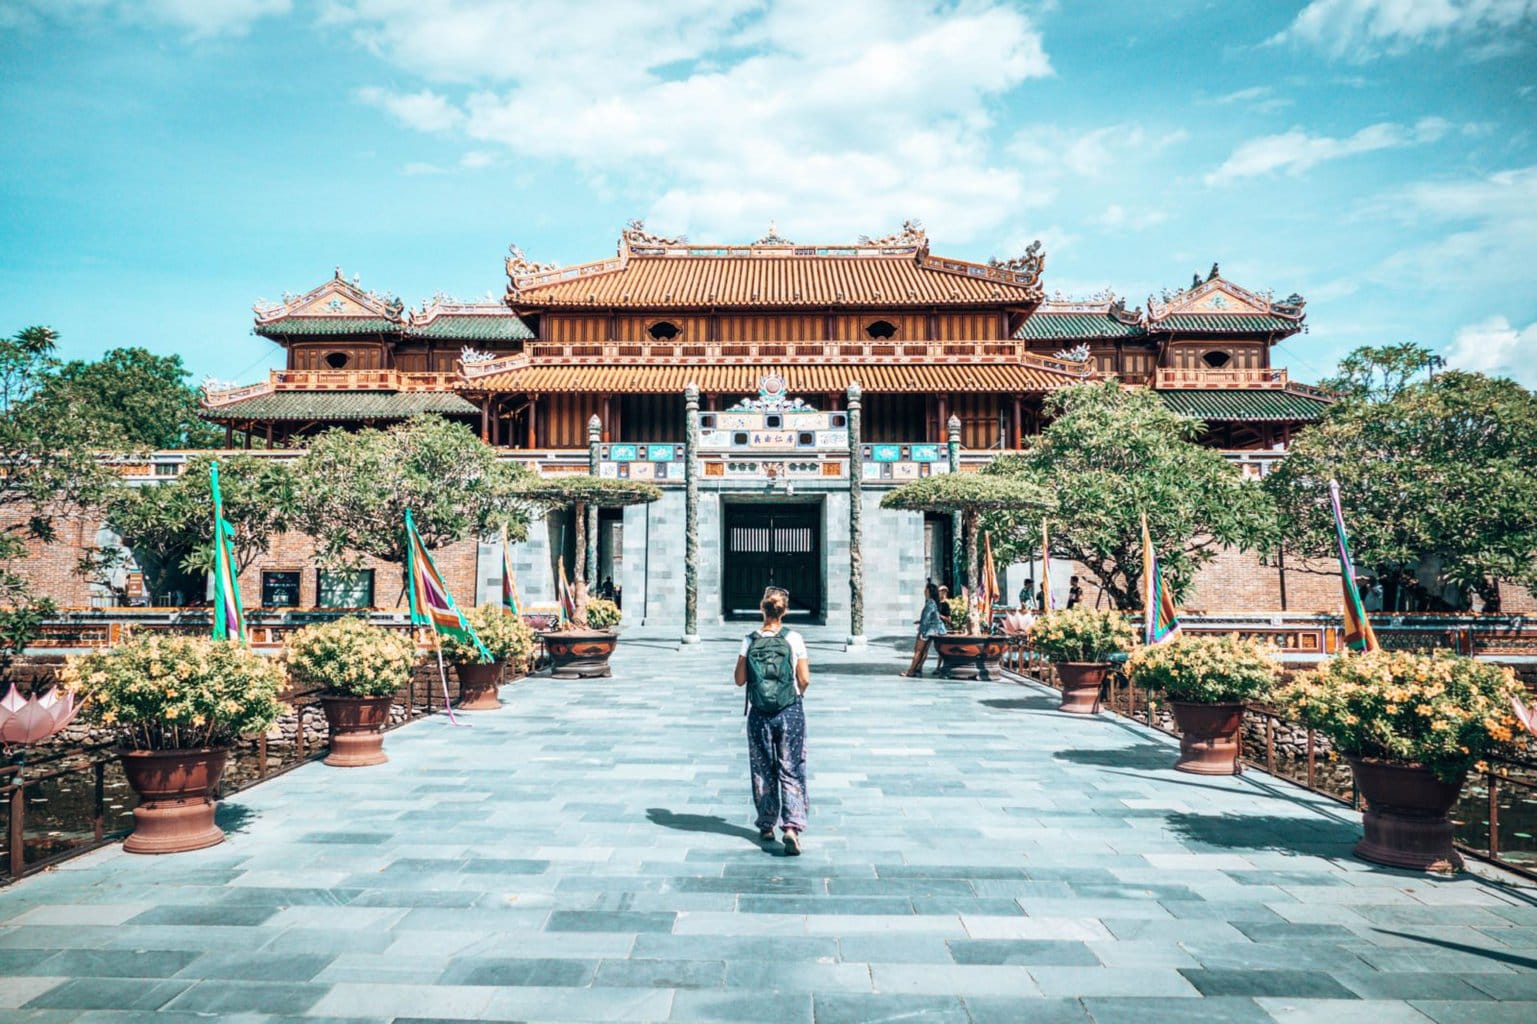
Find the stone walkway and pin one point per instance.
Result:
(585, 853)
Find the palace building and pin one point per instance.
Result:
(777, 336)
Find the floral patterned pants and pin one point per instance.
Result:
(776, 752)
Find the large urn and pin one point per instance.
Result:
(357, 729)
(176, 804)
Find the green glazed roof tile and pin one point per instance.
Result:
(474, 328)
(330, 326)
(1224, 323)
(1074, 325)
(1220, 404)
(342, 405)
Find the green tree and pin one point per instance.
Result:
(143, 397)
(1111, 454)
(1443, 472)
(1379, 372)
(49, 472)
(353, 490)
(169, 526)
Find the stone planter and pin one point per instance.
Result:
(357, 729)
(1081, 685)
(1405, 822)
(580, 653)
(176, 805)
(477, 685)
(971, 657)
(1208, 737)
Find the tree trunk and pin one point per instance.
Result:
(973, 525)
(579, 526)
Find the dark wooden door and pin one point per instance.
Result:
(773, 545)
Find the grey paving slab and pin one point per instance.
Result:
(585, 853)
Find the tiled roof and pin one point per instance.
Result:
(774, 280)
(504, 326)
(1044, 325)
(301, 326)
(800, 379)
(341, 405)
(1225, 323)
(1220, 404)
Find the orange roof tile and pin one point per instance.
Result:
(800, 379)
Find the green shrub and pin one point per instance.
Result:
(177, 692)
(350, 658)
(1205, 669)
(602, 613)
(1082, 634)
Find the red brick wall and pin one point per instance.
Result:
(51, 566)
(296, 552)
(1236, 582)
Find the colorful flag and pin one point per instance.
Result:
(564, 596)
(1527, 716)
(1157, 602)
(228, 615)
(1045, 569)
(431, 603)
(1358, 629)
(510, 601)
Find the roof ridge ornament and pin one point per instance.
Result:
(519, 264)
(635, 233)
(773, 237)
(1029, 263)
(912, 233)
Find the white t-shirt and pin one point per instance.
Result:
(794, 639)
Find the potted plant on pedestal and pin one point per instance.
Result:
(177, 703)
(358, 668)
(1079, 642)
(1206, 680)
(511, 643)
(970, 650)
(581, 648)
(1411, 726)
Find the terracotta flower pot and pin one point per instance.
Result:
(176, 805)
(357, 729)
(1208, 737)
(1405, 823)
(963, 656)
(477, 685)
(1081, 684)
(580, 653)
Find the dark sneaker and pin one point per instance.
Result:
(766, 836)
(792, 844)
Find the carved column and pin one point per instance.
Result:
(594, 464)
(856, 524)
(957, 541)
(691, 514)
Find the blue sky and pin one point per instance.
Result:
(169, 162)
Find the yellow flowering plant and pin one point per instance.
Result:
(602, 613)
(1219, 669)
(1082, 634)
(163, 692)
(348, 657)
(506, 636)
(1439, 710)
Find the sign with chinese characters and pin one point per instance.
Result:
(773, 422)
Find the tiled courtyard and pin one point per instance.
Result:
(586, 853)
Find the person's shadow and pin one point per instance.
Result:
(698, 823)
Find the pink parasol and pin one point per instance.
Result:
(30, 719)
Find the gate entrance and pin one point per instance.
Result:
(772, 545)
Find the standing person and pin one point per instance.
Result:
(930, 625)
(1028, 601)
(1074, 593)
(774, 667)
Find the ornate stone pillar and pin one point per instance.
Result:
(691, 514)
(856, 523)
(594, 464)
(957, 541)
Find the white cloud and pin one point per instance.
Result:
(199, 19)
(1116, 217)
(1489, 230)
(1261, 98)
(832, 119)
(1091, 153)
(418, 168)
(426, 111)
(476, 159)
(1361, 30)
(1494, 346)
(1296, 152)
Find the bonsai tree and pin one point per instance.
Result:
(971, 495)
(1110, 454)
(166, 526)
(353, 490)
(583, 494)
(1440, 473)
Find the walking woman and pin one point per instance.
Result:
(930, 624)
(776, 671)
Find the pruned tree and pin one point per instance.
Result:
(1111, 454)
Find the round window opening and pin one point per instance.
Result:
(1216, 360)
(881, 330)
(337, 360)
(663, 330)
